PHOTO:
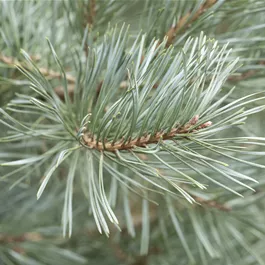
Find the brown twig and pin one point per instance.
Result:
(30, 236)
(92, 143)
(10, 61)
(212, 204)
(123, 256)
(242, 76)
(59, 90)
(92, 12)
(15, 240)
(245, 75)
(89, 18)
(52, 74)
(187, 20)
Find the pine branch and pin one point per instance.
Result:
(136, 139)
(138, 117)
(212, 204)
(245, 75)
(143, 141)
(51, 74)
(185, 21)
(92, 12)
(29, 236)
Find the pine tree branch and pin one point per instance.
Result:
(50, 74)
(212, 204)
(123, 256)
(10, 61)
(143, 141)
(184, 21)
(245, 75)
(89, 18)
(29, 236)
(92, 12)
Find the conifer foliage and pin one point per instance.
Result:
(132, 132)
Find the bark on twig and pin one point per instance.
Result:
(185, 21)
(92, 12)
(10, 61)
(212, 204)
(92, 143)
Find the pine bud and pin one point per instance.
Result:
(194, 120)
(206, 124)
